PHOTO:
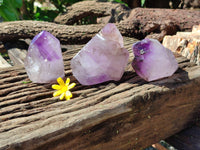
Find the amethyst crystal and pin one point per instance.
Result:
(152, 60)
(102, 59)
(44, 62)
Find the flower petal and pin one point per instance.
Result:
(62, 96)
(71, 86)
(67, 81)
(60, 81)
(57, 93)
(67, 98)
(56, 87)
(68, 95)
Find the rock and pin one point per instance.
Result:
(102, 59)
(44, 62)
(153, 61)
(155, 23)
(185, 43)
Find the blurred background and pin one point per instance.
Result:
(47, 10)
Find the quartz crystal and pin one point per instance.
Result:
(44, 62)
(102, 59)
(152, 60)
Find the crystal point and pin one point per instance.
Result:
(44, 62)
(102, 59)
(152, 60)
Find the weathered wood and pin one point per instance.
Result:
(66, 34)
(123, 115)
(115, 12)
(17, 56)
(4, 63)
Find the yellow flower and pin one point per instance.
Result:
(63, 89)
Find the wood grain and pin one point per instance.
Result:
(4, 63)
(17, 56)
(128, 114)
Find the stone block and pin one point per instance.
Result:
(185, 43)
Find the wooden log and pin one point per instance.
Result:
(17, 56)
(115, 11)
(66, 34)
(127, 114)
(4, 63)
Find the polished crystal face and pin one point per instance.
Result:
(152, 60)
(44, 62)
(102, 59)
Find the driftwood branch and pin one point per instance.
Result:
(115, 12)
(128, 114)
(66, 34)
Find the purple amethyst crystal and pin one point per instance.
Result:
(152, 60)
(102, 59)
(44, 62)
